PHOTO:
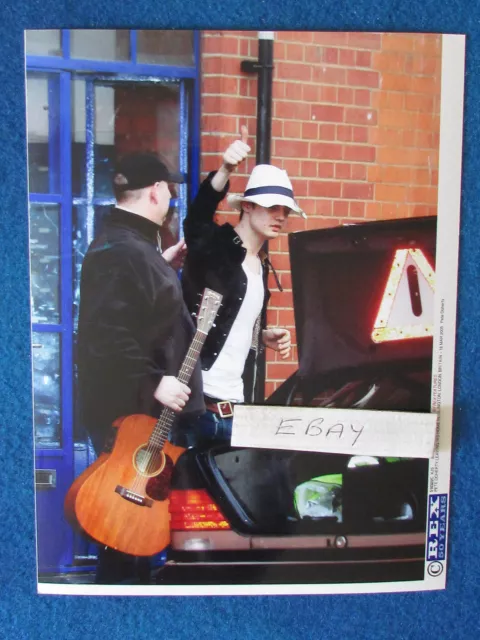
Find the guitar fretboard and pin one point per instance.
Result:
(167, 416)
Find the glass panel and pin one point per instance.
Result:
(129, 118)
(100, 44)
(171, 227)
(165, 47)
(43, 132)
(43, 42)
(46, 389)
(78, 137)
(104, 123)
(45, 262)
(105, 126)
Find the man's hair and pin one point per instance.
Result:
(242, 211)
(125, 196)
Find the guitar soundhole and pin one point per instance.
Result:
(148, 460)
(158, 487)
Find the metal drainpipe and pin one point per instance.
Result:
(264, 68)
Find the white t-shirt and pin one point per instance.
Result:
(224, 379)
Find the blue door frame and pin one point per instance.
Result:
(57, 545)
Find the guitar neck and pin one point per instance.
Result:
(192, 356)
(167, 416)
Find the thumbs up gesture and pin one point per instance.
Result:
(237, 151)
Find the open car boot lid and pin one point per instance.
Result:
(363, 294)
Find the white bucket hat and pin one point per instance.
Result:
(267, 186)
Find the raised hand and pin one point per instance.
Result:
(175, 254)
(237, 151)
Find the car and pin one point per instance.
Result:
(363, 304)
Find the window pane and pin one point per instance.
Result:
(170, 230)
(103, 136)
(128, 117)
(45, 262)
(147, 119)
(43, 42)
(78, 138)
(134, 117)
(100, 44)
(46, 389)
(43, 133)
(105, 127)
(165, 47)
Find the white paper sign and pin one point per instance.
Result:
(349, 431)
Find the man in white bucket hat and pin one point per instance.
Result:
(267, 187)
(230, 260)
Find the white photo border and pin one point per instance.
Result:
(448, 229)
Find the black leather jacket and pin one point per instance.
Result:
(133, 325)
(214, 260)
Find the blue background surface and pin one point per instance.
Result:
(23, 614)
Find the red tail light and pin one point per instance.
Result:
(194, 509)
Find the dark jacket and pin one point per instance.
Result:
(133, 325)
(214, 259)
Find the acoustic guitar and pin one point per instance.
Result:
(121, 500)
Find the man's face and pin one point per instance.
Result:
(267, 222)
(161, 198)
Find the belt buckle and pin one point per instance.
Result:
(225, 409)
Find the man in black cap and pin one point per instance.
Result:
(134, 329)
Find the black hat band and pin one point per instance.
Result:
(279, 191)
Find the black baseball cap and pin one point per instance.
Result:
(140, 170)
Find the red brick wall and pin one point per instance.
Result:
(355, 124)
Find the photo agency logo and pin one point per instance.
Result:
(437, 533)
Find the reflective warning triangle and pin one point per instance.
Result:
(406, 310)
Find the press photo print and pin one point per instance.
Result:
(168, 172)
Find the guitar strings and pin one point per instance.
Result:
(167, 414)
(165, 418)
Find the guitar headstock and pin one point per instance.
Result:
(208, 310)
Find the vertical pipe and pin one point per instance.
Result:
(264, 100)
(263, 155)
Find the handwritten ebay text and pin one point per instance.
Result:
(355, 431)
(319, 428)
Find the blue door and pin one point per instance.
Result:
(51, 309)
(118, 116)
(80, 117)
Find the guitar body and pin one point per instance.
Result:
(121, 500)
